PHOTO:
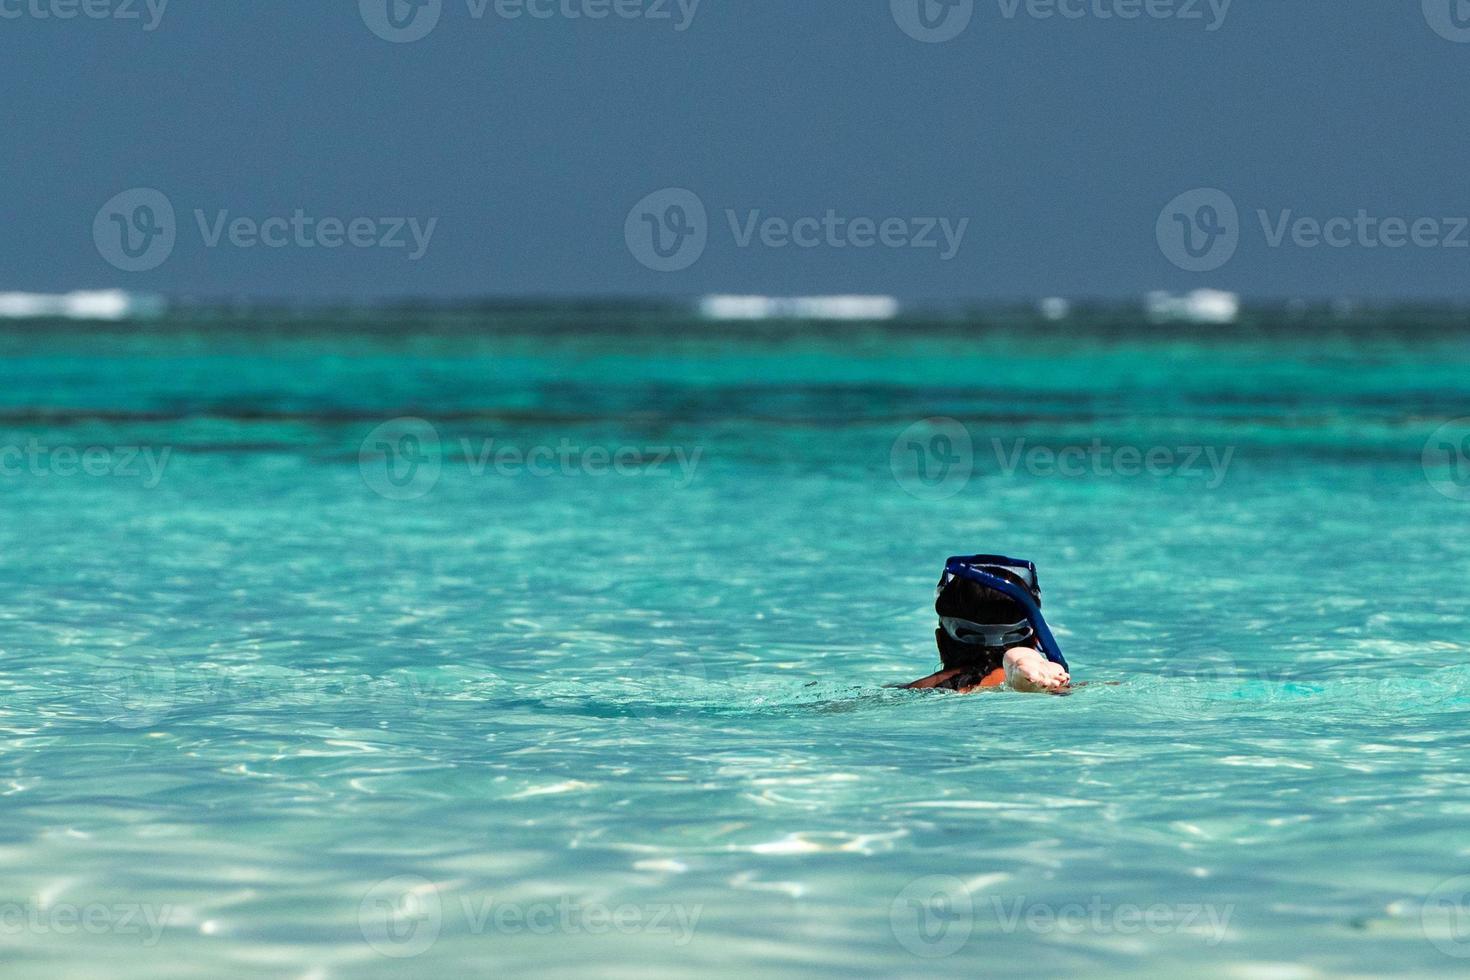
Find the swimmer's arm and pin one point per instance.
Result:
(1027, 670)
(930, 682)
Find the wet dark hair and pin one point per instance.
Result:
(964, 599)
(977, 660)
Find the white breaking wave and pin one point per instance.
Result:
(84, 304)
(799, 307)
(1200, 306)
(1054, 308)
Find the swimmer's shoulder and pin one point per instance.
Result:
(936, 679)
(957, 679)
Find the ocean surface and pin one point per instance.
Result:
(561, 643)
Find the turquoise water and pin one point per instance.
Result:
(308, 697)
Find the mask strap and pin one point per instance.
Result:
(1044, 639)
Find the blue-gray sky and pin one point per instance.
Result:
(529, 139)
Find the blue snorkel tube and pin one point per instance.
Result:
(965, 567)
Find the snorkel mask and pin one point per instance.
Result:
(1015, 580)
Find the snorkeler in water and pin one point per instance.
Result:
(991, 633)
